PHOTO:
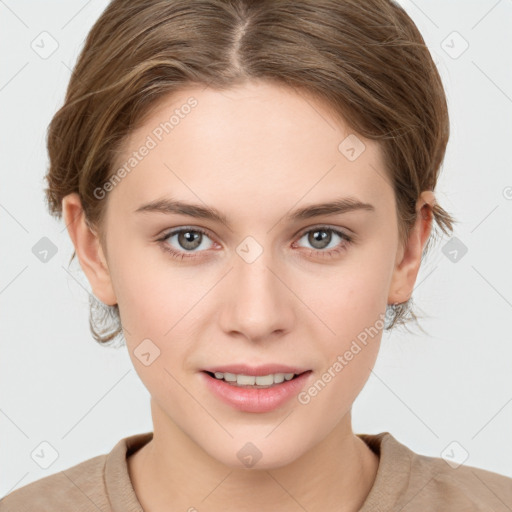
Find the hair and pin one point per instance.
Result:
(366, 60)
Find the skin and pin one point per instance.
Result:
(255, 152)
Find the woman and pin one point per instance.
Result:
(249, 186)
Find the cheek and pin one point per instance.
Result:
(348, 297)
(149, 293)
(156, 317)
(158, 306)
(349, 348)
(350, 304)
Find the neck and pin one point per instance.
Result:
(172, 472)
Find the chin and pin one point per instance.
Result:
(254, 455)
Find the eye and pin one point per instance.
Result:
(188, 240)
(321, 237)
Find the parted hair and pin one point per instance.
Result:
(365, 59)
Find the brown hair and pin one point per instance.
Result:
(365, 59)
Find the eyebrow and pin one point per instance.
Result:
(336, 207)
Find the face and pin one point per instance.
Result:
(262, 285)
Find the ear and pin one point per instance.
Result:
(409, 257)
(88, 249)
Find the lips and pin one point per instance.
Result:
(265, 369)
(252, 398)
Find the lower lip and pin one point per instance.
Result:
(256, 400)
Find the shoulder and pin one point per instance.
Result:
(409, 481)
(461, 485)
(100, 483)
(80, 487)
(449, 486)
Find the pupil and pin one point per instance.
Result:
(320, 236)
(188, 239)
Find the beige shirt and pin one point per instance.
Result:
(405, 481)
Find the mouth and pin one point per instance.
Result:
(260, 389)
(255, 381)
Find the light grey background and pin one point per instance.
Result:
(58, 386)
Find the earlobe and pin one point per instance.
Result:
(408, 264)
(88, 249)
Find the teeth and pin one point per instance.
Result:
(251, 380)
(246, 380)
(279, 377)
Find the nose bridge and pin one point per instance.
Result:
(256, 284)
(259, 302)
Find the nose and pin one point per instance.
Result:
(257, 303)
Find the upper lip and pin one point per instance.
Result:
(264, 369)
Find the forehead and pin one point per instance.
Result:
(252, 146)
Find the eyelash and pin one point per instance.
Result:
(331, 253)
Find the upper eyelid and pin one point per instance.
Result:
(175, 231)
(327, 227)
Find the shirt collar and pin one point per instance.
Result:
(120, 489)
(391, 479)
